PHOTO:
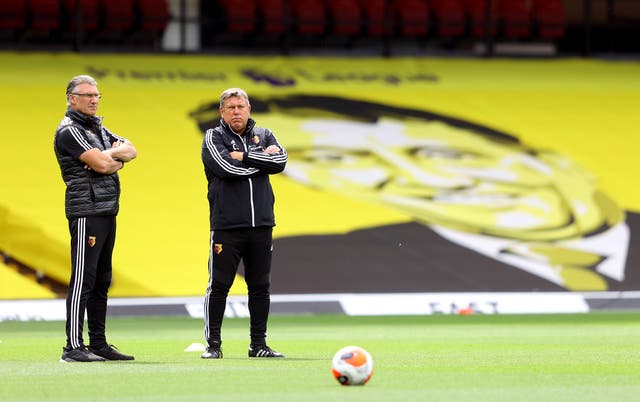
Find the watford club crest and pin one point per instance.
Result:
(217, 248)
(92, 241)
(255, 139)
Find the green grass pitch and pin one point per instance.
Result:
(587, 357)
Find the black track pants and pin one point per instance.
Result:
(92, 241)
(227, 248)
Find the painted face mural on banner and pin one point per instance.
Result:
(477, 187)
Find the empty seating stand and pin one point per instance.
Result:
(152, 18)
(309, 17)
(410, 17)
(44, 15)
(377, 22)
(515, 20)
(115, 22)
(118, 18)
(273, 16)
(476, 13)
(13, 18)
(549, 19)
(81, 15)
(240, 16)
(449, 18)
(345, 17)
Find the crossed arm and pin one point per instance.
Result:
(239, 156)
(110, 160)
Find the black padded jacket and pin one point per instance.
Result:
(88, 193)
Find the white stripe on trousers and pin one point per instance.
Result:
(208, 295)
(76, 296)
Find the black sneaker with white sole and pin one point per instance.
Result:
(110, 352)
(263, 351)
(80, 354)
(212, 353)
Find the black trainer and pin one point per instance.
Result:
(80, 354)
(110, 352)
(212, 352)
(263, 351)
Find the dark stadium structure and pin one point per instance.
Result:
(605, 28)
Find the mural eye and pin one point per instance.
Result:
(432, 152)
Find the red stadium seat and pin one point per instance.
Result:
(45, 15)
(119, 15)
(549, 18)
(376, 22)
(13, 15)
(514, 19)
(476, 15)
(345, 17)
(88, 15)
(449, 17)
(274, 16)
(154, 15)
(411, 17)
(309, 16)
(240, 16)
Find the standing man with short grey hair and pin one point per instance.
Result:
(238, 158)
(89, 156)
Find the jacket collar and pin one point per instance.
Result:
(250, 124)
(83, 119)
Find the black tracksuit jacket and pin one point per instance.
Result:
(240, 193)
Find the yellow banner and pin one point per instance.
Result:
(578, 117)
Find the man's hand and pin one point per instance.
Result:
(123, 151)
(100, 161)
(272, 149)
(237, 155)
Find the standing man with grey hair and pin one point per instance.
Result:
(89, 156)
(238, 158)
